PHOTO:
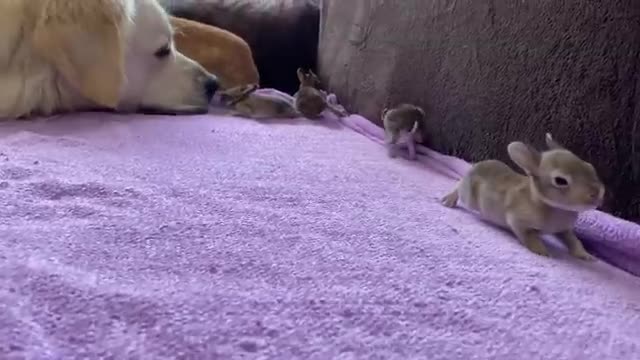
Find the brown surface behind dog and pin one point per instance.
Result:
(489, 72)
(282, 34)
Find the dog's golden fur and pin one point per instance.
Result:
(65, 55)
(219, 51)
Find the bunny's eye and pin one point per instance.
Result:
(559, 181)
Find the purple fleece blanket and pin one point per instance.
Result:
(209, 237)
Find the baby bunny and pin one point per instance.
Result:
(246, 102)
(558, 186)
(405, 120)
(309, 100)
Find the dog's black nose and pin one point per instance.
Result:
(210, 86)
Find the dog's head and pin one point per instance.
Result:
(119, 54)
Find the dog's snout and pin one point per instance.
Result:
(210, 86)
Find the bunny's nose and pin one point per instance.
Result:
(597, 194)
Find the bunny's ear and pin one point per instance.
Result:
(231, 91)
(552, 144)
(251, 88)
(301, 75)
(526, 157)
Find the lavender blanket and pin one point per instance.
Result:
(209, 237)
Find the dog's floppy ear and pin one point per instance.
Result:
(82, 39)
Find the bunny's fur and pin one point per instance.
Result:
(557, 186)
(246, 102)
(309, 100)
(405, 120)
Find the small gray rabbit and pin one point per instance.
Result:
(311, 101)
(246, 102)
(558, 185)
(403, 120)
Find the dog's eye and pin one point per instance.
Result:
(559, 181)
(163, 52)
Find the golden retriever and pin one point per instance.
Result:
(219, 51)
(66, 55)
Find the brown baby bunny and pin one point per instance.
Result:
(558, 185)
(246, 102)
(311, 101)
(404, 120)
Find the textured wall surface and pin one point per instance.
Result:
(282, 34)
(489, 72)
